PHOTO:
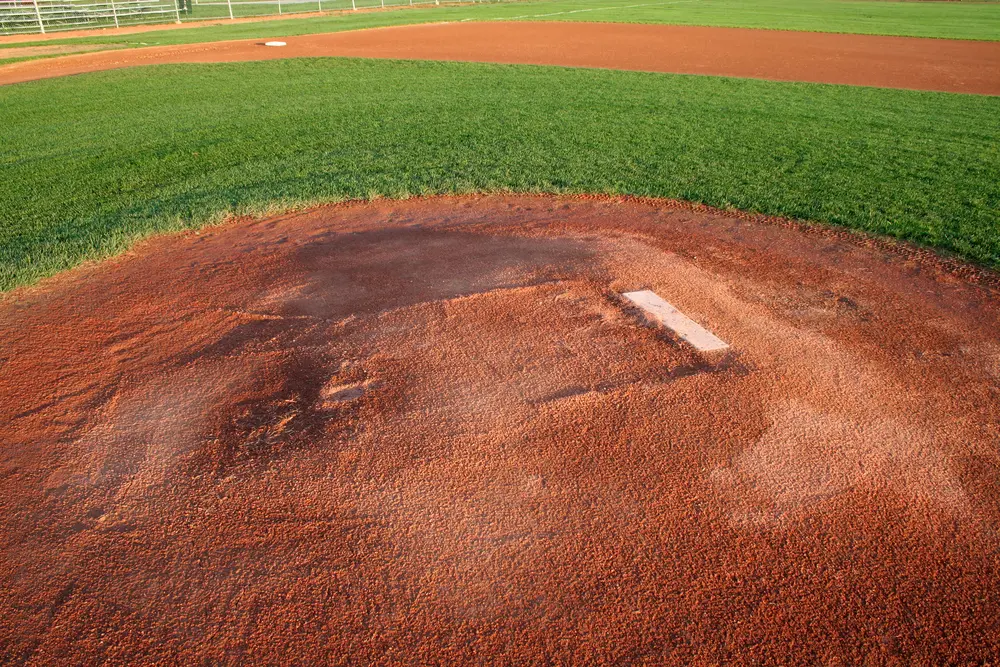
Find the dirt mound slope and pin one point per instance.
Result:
(432, 431)
(867, 60)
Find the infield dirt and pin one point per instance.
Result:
(431, 431)
(892, 62)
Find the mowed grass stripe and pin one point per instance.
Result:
(957, 20)
(94, 162)
(954, 20)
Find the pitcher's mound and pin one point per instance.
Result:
(433, 431)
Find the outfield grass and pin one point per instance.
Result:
(8, 61)
(93, 162)
(957, 20)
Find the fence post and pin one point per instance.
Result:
(383, 4)
(354, 6)
(321, 5)
(177, 9)
(230, 4)
(279, 7)
(114, 12)
(38, 14)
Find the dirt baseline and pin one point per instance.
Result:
(430, 431)
(894, 62)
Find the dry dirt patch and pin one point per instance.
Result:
(431, 430)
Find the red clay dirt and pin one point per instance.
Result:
(894, 62)
(431, 432)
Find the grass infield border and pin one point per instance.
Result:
(95, 162)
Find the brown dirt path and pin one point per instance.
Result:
(895, 62)
(429, 432)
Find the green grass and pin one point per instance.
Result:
(917, 19)
(8, 61)
(94, 162)
(958, 20)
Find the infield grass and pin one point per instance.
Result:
(92, 163)
(956, 20)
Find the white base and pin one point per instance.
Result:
(686, 329)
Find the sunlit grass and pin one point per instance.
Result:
(90, 163)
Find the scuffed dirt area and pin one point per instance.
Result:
(431, 432)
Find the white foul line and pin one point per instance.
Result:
(686, 329)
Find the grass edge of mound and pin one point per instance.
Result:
(343, 129)
(927, 257)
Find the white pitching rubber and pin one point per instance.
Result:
(686, 329)
(274, 44)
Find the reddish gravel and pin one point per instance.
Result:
(866, 60)
(431, 432)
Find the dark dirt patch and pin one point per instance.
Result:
(428, 431)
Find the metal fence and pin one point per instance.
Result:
(45, 16)
(41, 16)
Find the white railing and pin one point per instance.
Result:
(45, 16)
(249, 8)
(42, 16)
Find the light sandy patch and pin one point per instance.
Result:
(810, 455)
